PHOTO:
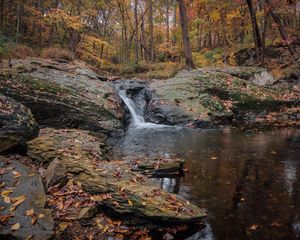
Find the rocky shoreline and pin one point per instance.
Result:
(62, 185)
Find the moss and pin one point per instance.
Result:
(42, 85)
(212, 104)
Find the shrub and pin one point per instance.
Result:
(19, 51)
(133, 68)
(57, 53)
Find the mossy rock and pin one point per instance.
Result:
(199, 94)
(64, 95)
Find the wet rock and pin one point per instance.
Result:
(221, 117)
(29, 217)
(56, 174)
(17, 125)
(64, 95)
(117, 189)
(202, 124)
(157, 169)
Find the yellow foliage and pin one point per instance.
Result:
(215, 15)
(70, 22)
(232, 59)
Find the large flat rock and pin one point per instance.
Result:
(215, 95)
(116, 188)
(17, 125)
(64, 94)
(29, 218)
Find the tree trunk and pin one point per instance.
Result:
(151, 42)
(143, 38)
(256, 32)
(168, 23)
(189, 64)
(136, 39)
(18, 22)
(1, 15)
(282, 31)
(174, 24)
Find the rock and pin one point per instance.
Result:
(277, 59)
(117, 189)
(29, 188)
(17, 125)
(256, 75)
(155, 169)
(263, 78)
(212, 95)
(56, 144)
(221, 117)
(64, 95)
(56, 174)
(87, 213)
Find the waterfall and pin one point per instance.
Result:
(138, 120)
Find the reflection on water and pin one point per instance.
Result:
(249, 183)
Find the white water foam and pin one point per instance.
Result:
(138, 120)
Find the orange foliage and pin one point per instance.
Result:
(58, 53)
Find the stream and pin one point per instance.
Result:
(247, 182)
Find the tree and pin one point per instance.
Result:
(283, 33)
(256, 33)
(136, 39)
(189, 64)
(151, 33)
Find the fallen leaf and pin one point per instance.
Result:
(41, 215)
(29, 212)
(70, 182)
(276, 224)
(6, 199)
(5, 218)
(15, 227)
(30, 237)
(63, 226)
(16, 202)
(16, 174)
(253, 227)
(34, 219)
(6, 192)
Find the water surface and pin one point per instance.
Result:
(248, 183)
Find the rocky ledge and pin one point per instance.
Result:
(229, 95)
(113, 186)
(63, 94)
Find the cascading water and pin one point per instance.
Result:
(137, 119)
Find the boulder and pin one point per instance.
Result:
(64, 94)
(214, 95)
(56, 174)
(116, 188)
(17, 125)
(23, 214)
